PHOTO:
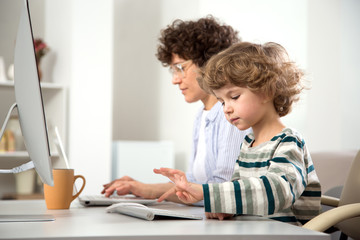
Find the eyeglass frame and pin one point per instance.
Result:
(177, 69)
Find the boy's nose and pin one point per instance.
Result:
(227, 108)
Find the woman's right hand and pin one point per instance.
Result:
(124, 178)
(128, 185)
(124, 185)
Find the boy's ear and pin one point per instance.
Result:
(266, 98)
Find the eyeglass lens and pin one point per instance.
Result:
(178, 69)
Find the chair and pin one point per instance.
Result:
(346, 215)
(328, 164)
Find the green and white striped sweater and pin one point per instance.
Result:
(276, 179)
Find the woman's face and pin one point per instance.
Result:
(184, 75)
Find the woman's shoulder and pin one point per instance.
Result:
(216, 111)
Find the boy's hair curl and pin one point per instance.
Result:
(263, 69)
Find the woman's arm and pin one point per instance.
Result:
(127, 185)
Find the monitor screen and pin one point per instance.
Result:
(29, 99)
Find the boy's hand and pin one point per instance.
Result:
(187, 192)
(220, 216)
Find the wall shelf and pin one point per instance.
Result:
(44, 85)
(54, 97)
(20, 154)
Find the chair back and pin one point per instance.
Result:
(328, 165)
(351, 194)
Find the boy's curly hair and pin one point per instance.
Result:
(261, 68)
(194, 40)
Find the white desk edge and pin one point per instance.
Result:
(80, 222)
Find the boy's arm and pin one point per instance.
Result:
(265, 189)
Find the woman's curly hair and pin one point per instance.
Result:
(263, 69)
(194, 40)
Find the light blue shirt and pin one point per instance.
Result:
(222, 142)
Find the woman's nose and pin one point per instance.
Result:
(176, 79)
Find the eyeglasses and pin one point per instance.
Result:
(178, 69)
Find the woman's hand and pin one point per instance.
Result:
(126, 185)
(121, 183)
(186, 191)
(109, 188)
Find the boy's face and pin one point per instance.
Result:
(186, 80)
(242, 107)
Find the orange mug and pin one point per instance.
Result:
(61, 195)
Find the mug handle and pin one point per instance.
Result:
(82, 187)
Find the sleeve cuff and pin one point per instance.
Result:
(206, 197)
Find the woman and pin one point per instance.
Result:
(185, 46)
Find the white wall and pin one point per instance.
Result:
(9, 13)
(176, 115)
(146, 105)
(259, 21)
(9, 20)
(81, 34)
(90, 91)
(334, 65)
(321, 36)
(136, 81)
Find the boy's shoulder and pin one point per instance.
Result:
(291, 135)
(291, 132)
(286, 135)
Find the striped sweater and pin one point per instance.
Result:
(276, 179)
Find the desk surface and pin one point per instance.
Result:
(80, 222)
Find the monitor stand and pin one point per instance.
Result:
(22, 217)
(23, 167)
(27, 218)
(7, 120)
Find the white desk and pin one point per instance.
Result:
(94, 223)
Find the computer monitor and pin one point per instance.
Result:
(31, 112)
(29, 101)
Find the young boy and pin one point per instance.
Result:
(274, 175)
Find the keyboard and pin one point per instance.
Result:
(148, 213)
(101, 200)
